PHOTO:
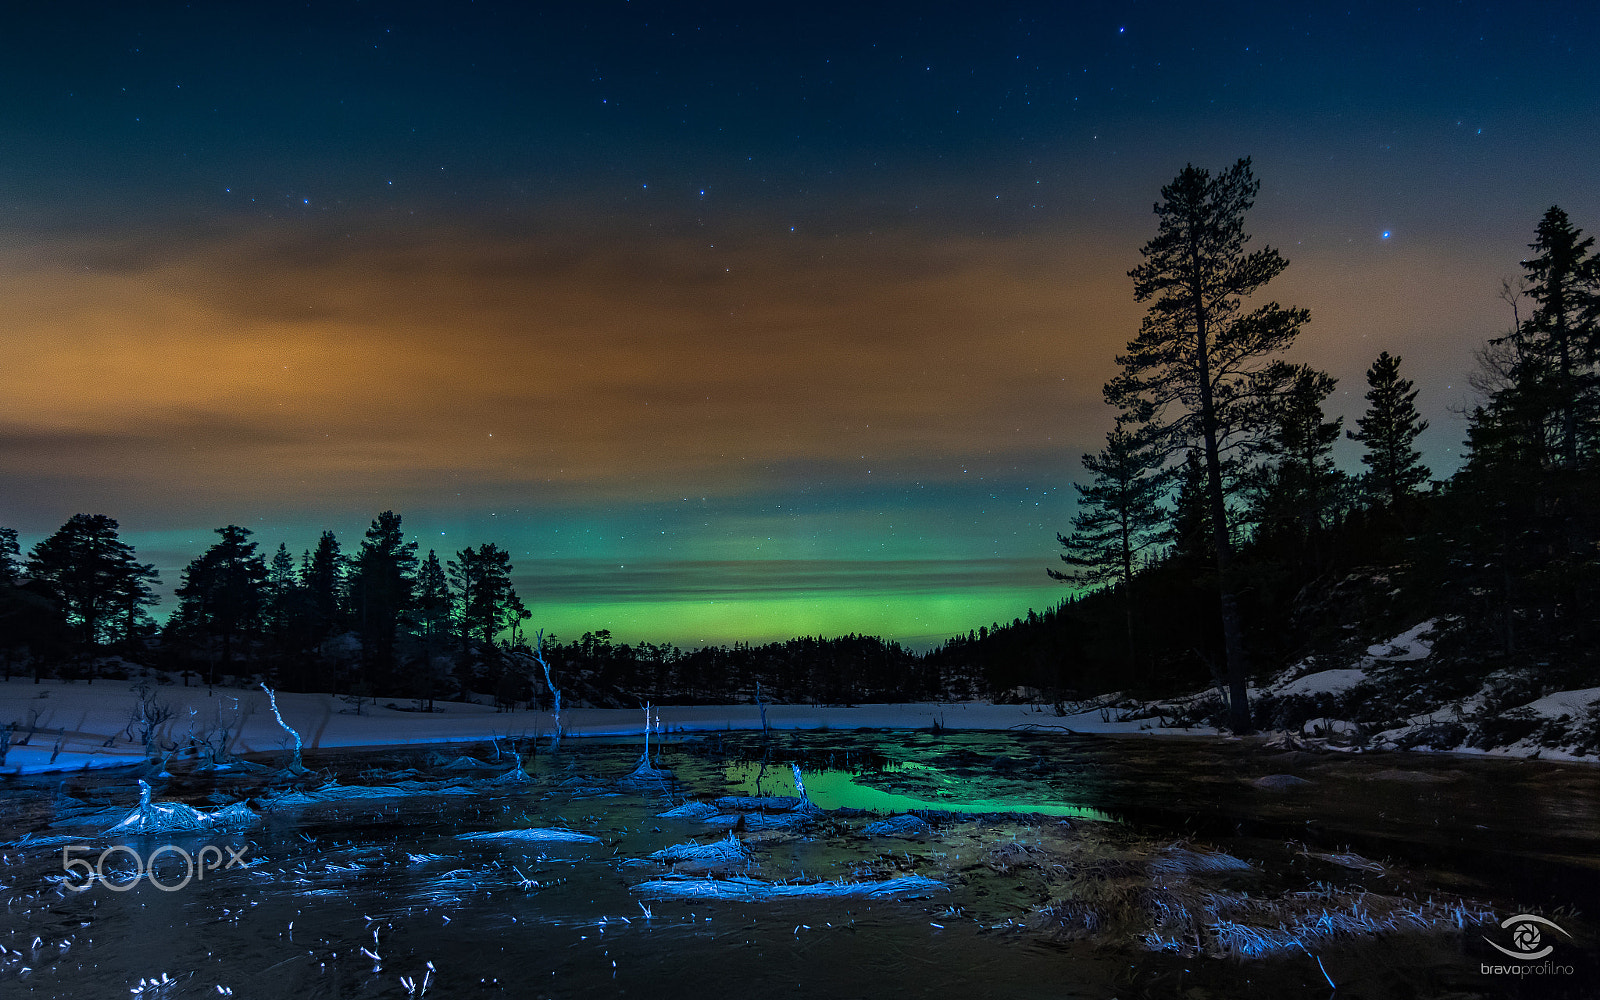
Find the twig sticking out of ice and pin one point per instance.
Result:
(413, 988)
(647, 772)
(645, 760)
(555, 692)
(533, 833)
(272, 699)
(754, 890)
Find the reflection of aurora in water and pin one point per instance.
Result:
(838, 789)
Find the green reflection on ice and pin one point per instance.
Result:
(838, 790)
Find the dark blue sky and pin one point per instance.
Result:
(831, 115)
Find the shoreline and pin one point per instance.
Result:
(65, 727)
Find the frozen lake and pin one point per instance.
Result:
(1034, 865)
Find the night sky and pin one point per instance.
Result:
(728, 322)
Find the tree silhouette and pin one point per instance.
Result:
(92, 576)
(1563, 279)
(324, 582)
(223, 594)
(1388, 430)
(1195, 368)
(488, 603)
(1119, 516)
(1298, 488)
(431, 620)
(381, 585)
(10, 566)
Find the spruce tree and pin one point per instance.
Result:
(488, 605)
(1193, 371)
(1119, 516)
(224, 594)
(324, 583)
(10, 567)
(1389, 430)
(1298, 487)
(133, 595)
(381, 591)
(1564, 282)
(430, 615)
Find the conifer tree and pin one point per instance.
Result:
(223, 595)
(1191, 514)
(488, 604)
(381, 590)
(133, 595)
(1564, 282)
(92, 576)
(1119, 516)
(1389, 430)
(1298, 487)
(430, 617)
(10, 567)
(324, 582)
(1193, 371)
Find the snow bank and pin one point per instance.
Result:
(1322, 682)
(1569, 703)
(1415, 643)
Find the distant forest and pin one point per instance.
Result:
(1216, 542)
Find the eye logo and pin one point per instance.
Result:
(1526, 937)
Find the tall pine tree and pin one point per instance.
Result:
(323, 578)
(1193, 371)
(488, 605)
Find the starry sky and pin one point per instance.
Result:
(729, 322)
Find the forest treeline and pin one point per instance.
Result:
(1216, 541)
(383, 622)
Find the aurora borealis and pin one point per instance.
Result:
(728, 323)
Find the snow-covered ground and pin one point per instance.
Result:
(1559, 725)
(67, 726)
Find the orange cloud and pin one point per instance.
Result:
(241, 364)
(280, 366)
